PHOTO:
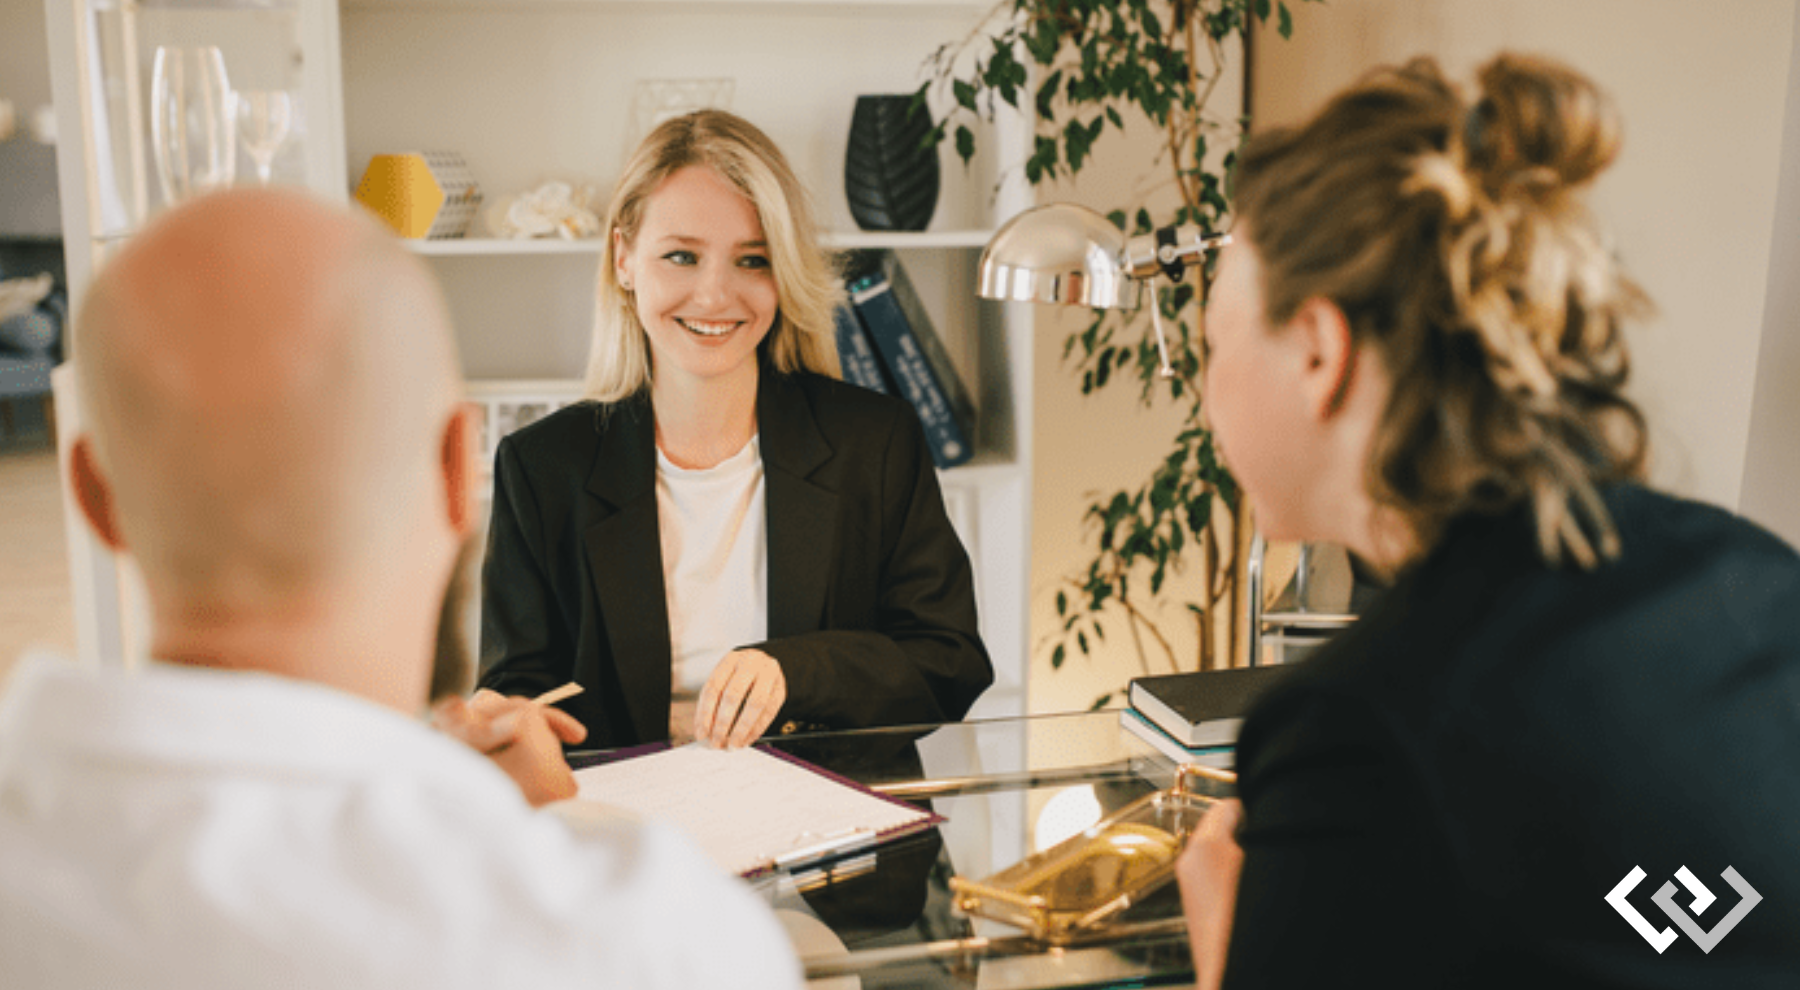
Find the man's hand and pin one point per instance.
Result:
(740, 699)
(1208, 873)
(522, 738)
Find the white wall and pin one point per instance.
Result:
(28, 203)
(1691, 199)
(1772, 463)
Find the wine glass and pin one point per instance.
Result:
(192, 128)
(263, 119)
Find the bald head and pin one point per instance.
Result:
(267, 382)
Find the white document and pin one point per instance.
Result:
(745, 808)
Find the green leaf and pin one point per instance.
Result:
(1081, 640)
(1101, 702)
(1044, 42)
(1062, 603)
(1046, 94)
(965, 143)
(965, 93)
(918, 100)
(1262, 9)
(1058, 655)
(1042, 163)
(1076, 143)
(1199, 511)
(1284, 24)
(1117, 217)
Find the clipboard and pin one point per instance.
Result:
(754, 811)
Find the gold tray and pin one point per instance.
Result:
(1081, 882)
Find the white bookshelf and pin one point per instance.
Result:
(533, 90)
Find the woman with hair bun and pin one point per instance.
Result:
(1575, 687)
(725, 539)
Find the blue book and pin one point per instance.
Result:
(856, 355)
(1219, 757)
(915, 359)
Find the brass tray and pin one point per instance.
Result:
(1078, 884)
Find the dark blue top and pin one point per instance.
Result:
(1446, 794)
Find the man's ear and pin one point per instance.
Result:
(94, 494)
(457, 464)
(1329, 353)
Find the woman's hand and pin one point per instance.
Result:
(522, 738)
(740, 699)
(1208, 873)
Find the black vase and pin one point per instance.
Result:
(890, 174)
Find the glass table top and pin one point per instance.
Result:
(1006, 789)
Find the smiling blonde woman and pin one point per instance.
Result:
(726, 539)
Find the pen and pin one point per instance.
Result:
(555, 695)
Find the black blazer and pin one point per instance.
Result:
(871, 596)
(1445, 795)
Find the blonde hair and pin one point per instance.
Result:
(1451, 237)
(808, 288)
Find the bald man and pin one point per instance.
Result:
(274, 434)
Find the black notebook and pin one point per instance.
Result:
(1203, 708)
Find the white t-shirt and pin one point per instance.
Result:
(715, 551)
(199, 829)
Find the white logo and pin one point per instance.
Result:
(1665, 899)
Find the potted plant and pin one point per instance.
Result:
(1088, 66)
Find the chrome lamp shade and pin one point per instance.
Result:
(1071, 256)
(1061, 254)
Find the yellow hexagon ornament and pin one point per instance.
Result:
(421, 194)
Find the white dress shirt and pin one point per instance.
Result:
(192, 829)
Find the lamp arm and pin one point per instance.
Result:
(1170, 250)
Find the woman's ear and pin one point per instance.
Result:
(621, 270)
(1328, 351)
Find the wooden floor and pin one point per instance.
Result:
(36, 609)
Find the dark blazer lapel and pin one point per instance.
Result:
(799, 512)
(625, 558)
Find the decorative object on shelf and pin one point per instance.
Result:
(656, 100)
(554, 209)
(264, 117)
(1095, 65)
(429, 194)
(192, 129)
(891, 170)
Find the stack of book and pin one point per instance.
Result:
(886, 343)
(1194, 718)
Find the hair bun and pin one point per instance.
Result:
(1539, 123)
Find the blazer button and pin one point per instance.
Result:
(789, 728)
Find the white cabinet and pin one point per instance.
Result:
(530, 90)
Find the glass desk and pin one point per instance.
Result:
(1006, 788)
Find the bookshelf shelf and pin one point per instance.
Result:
(842, 239)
